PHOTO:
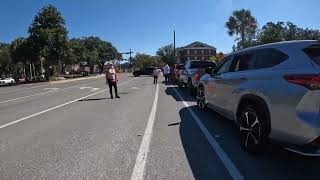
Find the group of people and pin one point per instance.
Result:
(168, 73)
(112, 79)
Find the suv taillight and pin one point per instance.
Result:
(197, 76)
(310, 81)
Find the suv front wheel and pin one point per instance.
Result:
(253, 129)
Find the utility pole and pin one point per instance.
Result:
(174, 46)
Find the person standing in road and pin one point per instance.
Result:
(111, 78)
(166, 72)
(155, 73)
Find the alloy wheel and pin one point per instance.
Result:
(250, 129)
(201, 99)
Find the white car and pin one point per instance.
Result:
(7, 81)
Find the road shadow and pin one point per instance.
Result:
(171, 92)
(93, 99)
(274, 163)
(201, 158)
(123, 93)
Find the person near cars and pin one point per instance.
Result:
(111, 78)
(166, 72)
(155, 74)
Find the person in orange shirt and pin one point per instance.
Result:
(111, 78)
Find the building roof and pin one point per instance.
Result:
(198, 44)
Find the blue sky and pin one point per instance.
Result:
(146, 25)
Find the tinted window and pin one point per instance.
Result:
(267, 58)
(195, 64)
(225, 66)
(242, 62)
(314, 53)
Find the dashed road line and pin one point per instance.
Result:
(139, 167)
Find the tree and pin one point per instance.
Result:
(166, 53)
(49, 36)
(144, 60)
(244, 24)
(92, 50)
(280, 31)
(273, 32)
(6, 65)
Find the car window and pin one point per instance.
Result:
(266, 58)
(242, 62)
(314, 53)
(225, 66)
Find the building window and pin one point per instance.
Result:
(196, 58)
(202, 51)
(202, 58)
(188, 51)
(195, 51)
(209, 51)
(188, 58)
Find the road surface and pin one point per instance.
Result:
(72, 130)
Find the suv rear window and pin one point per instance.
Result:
(267, 58)
(195, 64)
(314, 53)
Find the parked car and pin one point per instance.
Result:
(272, 92)
(192, 72)
(8, 80)
(143, 71)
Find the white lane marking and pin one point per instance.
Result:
(91, 88)
(228, 164)
(141, 160)
(19, 90)
(52, 90)
(56, 107)
(26, 97)
(135, 88)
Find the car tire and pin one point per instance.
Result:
(253, 128)
(180, 85)
(201, 100)
(190, 88)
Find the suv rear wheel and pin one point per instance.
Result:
(190, 88)
(253, 128)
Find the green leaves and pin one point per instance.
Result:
(244, 24)
(49, 35)
(166, 53)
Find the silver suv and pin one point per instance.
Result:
(272, 92)
(192, 72)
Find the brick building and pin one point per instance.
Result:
(195, 51)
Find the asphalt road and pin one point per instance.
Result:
(73, 130)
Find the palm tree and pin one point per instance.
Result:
(243, 23)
